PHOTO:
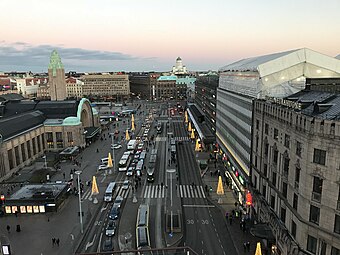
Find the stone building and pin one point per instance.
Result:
(142, 84)
(74, 88)
(56, 78)
(165, 88)
(179, 69)
(296, 171)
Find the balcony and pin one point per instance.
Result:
(316, 197)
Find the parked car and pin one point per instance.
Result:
(110, 228)
(102, 167)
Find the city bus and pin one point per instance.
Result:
(143, 216)
(124, 163)
(142, 228)
(108, 196)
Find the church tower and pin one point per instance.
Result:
(56, 78)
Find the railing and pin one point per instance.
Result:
(316, 197)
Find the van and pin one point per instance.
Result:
(114, 213)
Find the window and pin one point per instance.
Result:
(298, 148)
(266, 149)
(293, 229)
(17, 156)
(257, 124)
(295, 201)
(266, 128)
(287, 140)
(265, 171)
(274, 179)
(39, 145)
(257, 142)
(23, 153)
(297, 174)
(286, 166)
(264, 190)
(59, 138)
(28, 145)
(70, 138)
(319, 157)
(317, 189)
(335, 251)
(272, 201)
(283, 215)
(275, 156)
(337, 224)
(49, 138)
(284, 189)
(314, 214)
(311, 244)
(10, 158)
(276, 134)
(255, 161)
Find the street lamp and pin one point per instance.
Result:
(79, 198)
(113, 154)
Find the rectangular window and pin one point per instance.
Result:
(283, 215)
(274, 179)
(43, 141)
(266, 149)
(287, 141)
(38, 142)
(293, 229)
(264, 190)
(59, 138)
(70, 138)
(319, 157)
(28, 145)
(275, 156)
(257, 143)
(298, 148)
(272, 202)
(10, 158)
(297, 174)
(23, 152)
(314, 214)
(311, 244)
(17, 155)
(276, 134)
(266, 128)
(34, 146)
(49, 138)
(295, 201)
(257, 124)
(337, 224)
(335, 251)
(286, 166)
(265, 170)
(284, 189)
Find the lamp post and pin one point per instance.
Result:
(113, 154)
(79, 198)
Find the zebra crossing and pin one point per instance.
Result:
(183, 191)
(119, 192)
(177, 138)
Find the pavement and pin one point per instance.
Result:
(226, 203)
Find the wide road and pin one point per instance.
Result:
(204, 227)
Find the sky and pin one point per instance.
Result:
(148, 35)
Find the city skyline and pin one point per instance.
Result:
(150, 35)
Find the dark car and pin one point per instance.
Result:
(108, 245)
(110, 228)
(114, 213)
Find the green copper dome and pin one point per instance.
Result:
(55, 62)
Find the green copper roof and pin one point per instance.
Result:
(55, 62)
(167, 78)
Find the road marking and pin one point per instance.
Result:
(203, 194)
(199, 206)
(152, 191)
(163, 191)
(103, 179)
(89, 244)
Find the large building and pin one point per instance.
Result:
(142, 84)
(276, 75)
(165, 88)
(56, 78)
(296, 169)
(28, 86)
(110, 86)
(74, 88)
(179, 69)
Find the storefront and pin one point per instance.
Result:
(36, 199)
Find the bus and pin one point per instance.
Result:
(124, 162)
(142, 227)
(132, 144)
(108, 196)
(152, 166)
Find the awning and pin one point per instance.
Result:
(91, 132)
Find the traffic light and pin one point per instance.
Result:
(2, 198)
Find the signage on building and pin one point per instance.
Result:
(249, 198)
(284, 102)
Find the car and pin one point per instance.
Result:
(138, 173)
(126, 184)
(134, 161)
(140, 147)
(110, 228)
(102, 167)
(116, 146)
(136, 156)
(114, 213)
(118, 201)
(108, 245)
(143, 125)
(130, 171)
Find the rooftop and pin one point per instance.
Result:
(38, 191)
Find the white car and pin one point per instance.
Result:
(126, 184)
(103, 167)
(129, 172)
(116, 146)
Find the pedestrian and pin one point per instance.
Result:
(211, 173)
(8, 228)
(58, 241)
(244, 247)
(53, 241)
(248, 246)
(230, 221)
(64, 175)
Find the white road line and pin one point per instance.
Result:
(199, 206)
(152, 191)
(203, 194)
(149, 190)
(185, 191)
(194, 190)
(145, 191)
(180, 191)
(188, 189)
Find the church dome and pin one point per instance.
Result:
(178, 59)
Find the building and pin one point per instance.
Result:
(185, 87)
(56, 78)
(74, 88)
(276, 75)
(205, 98)
(165, 88)
(106, 86)
(28, 86)
(179, 69)
(295, 169)
(142, 84)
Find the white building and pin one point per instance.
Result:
(179, 68)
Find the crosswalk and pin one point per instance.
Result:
(177, 138)
(183, 191)
(119, 192)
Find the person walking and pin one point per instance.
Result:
(53, 241)
(58, 241)
(8, 228)
(248, 246)
(244, 246)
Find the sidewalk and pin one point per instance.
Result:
(228, 205)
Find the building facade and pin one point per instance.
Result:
(179, 69)
(74, 88)
(295, 171)
(56, 78)
(106, 85)
(165, 88)
(142, 84)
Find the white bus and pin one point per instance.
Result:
(124, 163)
(108, 196)
(132, 145)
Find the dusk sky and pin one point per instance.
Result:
(135, 35)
